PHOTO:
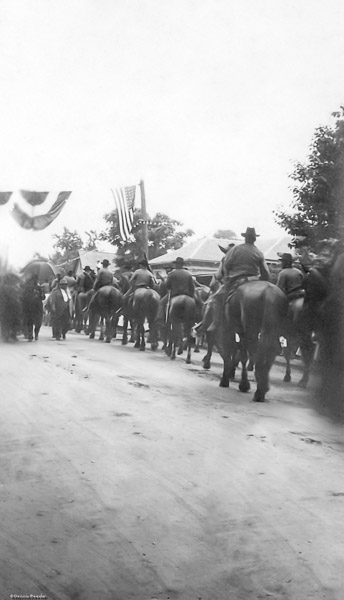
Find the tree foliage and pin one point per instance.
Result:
(70, 242)
(317, 209)
(163, 235)
(225, 234)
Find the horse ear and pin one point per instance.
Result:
(224, 250)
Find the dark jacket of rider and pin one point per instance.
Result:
(180, 281)
(291, 282)
(142, 278)
(104, 277)
(245, 260)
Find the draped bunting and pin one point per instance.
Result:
(34, 198)
(40, 222)
(4, 197)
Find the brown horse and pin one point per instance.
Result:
(104, 306)
(144, 308)
(181, 319)
(298, 332)
(255, 312)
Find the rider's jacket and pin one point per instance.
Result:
(245, 260)
(104, 277)
(291, 281)
(142, 278)
(180, 281)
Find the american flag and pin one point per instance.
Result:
(125, 199)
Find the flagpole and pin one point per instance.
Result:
(144, 219)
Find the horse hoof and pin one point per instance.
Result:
(258, 397)
(196, 350)
(206, 366)
(287, 378)
(180, 351)
(224, 383)
(142, 348)
(302, 383)
(154, 346)
(91, 336)
(136, 345)
(244, 387)
(108, 340)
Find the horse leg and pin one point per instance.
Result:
(101, 334)
(125, 331)
(287, 376)
(267, 350)
(229, 346)
(108, 329)
(92, 326)
(244, 384)
(30, 330)
(137, 335)
(141, 328)
(132, 331)
(153, 334)
(307, 353)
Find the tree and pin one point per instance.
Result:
(226, 234)
(317, 209)
(67, 246)
(163, 235)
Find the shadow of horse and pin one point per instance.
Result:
(256, 313)
(181, 319)
(144, 307)
(103, 306)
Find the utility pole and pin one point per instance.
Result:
(144, 219)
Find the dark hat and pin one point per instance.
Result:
(143, 262)
(105, 262)
(285, 256)
(250, 232)
(87, 268)
(179, 261)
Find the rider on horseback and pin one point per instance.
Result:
(180, 281)
(141, 278)
(104, 276)
(242, 263)
(290, 279)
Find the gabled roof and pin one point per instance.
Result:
(205, 249)
(273, 247)
(93, 257)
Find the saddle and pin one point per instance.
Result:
(233, 285)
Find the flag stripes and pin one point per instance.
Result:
(125, 199)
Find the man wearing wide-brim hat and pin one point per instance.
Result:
(290, 279)
(179, 281)
(104, 276)
(242, 263)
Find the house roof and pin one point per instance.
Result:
(93, 257)
(207, 250)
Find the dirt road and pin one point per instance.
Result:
(125, 475)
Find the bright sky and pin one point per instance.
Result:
(207, 101)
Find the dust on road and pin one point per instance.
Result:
(125, 475)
